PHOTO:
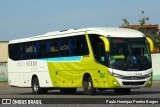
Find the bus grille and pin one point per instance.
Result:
(133, 83)
(133, 77)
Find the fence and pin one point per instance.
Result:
(3, 72)
(156, 66)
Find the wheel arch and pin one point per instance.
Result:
(85, 77)
(88, 84)
(33, 76)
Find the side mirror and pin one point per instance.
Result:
(150, 43)
(106, 43)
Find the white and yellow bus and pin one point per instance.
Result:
(90, 58)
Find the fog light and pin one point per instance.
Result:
(149, 82)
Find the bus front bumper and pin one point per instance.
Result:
(121, 83)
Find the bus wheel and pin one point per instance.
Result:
(88, 86)
(125, 91)
(68, 90)
(36, 88)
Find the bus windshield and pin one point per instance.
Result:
(129, 54)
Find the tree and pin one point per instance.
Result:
(126, 22)
(143, 20)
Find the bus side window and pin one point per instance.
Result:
(64, 47)
(41, 49)
(28, 51)
(15, 51)
(98, 48)
(81, 47)
(53, 48)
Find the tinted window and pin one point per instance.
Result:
(98, 48)
(22, 51)
(53, 48)
(15, 51)
(80, 46)
(65, 47)
(61, 47)
(69, 46)
(41, 49)
(29, 51)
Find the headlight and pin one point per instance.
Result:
(148, 75)
(115, 75)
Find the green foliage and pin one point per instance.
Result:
(126, 22)
(143, 20)
(156, 40)
(142, 12)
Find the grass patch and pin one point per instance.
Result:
(3, 83)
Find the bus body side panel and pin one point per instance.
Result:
(13, 74)
(20, 73)
(41, 71)
(101, 76)
(70, 73)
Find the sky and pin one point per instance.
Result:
(27, 18)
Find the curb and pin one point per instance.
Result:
(156, 81)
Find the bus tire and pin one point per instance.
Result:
(36, 88)
(88, 86)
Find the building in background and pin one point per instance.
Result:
(150, 29)
(3, 61)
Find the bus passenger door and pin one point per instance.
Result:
(101, 57)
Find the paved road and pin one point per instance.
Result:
(13, 92)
